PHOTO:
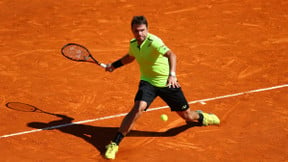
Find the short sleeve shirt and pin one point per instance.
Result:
(154, 66)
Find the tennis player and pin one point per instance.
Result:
(158, 78)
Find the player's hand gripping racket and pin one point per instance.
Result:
(77, 52)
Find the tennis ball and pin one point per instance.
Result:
(164, 117)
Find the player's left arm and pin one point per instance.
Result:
(172, 79)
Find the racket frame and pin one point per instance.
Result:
(90, 55)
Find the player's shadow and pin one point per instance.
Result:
(100, 136)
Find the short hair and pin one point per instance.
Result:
(139, 20)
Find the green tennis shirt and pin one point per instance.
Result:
(154, 66)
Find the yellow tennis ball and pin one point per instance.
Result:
(164, 117)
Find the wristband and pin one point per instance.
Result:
(117, 64)
(172, 74)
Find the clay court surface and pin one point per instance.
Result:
(223, 47)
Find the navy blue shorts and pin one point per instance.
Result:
(174, 97)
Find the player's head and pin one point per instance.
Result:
(139, 20)
(139, 27)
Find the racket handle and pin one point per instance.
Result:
(103, 65)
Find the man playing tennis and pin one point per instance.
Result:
(158, 78)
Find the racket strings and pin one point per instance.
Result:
(76, 52)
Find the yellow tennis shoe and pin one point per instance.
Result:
(210, 119)
(111, 150)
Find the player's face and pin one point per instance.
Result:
(140, 32)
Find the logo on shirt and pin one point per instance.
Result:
(184, 107)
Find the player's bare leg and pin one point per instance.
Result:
(125, 127)
(129, 120)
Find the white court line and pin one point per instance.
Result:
(151, 109)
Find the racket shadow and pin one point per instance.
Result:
(98, 136)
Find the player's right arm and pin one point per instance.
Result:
(122, 61)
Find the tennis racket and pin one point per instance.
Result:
(77, 52)
(25, 108)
